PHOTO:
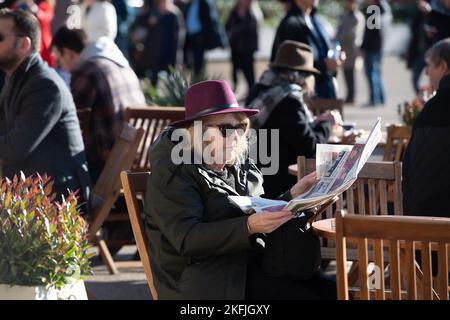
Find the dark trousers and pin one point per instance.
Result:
(260, 286)
(349, 75)
(243, 61)
(194, 52)
(417, 66)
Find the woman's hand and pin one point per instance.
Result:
(334, 117)
(304, 184)
(266, 222)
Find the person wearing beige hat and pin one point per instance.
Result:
(278, 95)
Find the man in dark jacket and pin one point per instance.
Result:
(39, 128)
(426, 165)
(303, 24)
(279, 96)
(204, 32)
(242, 28)
(438, 20)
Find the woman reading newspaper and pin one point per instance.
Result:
(202, 245)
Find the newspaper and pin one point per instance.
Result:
(337, 167)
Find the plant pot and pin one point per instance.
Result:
(73, 291)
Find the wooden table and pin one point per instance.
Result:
(325, 228)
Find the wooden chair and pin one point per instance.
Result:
(84, 118)
(153, 120)
(367, 196)
(402, 236)
(320, 105)
(107, 188)
(134, 185)
(397, 140)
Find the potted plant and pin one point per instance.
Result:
(43, 242)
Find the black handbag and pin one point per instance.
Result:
(292, 251)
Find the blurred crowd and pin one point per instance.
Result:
(161, 34)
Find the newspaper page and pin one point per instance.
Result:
(257, 204)
(326, 155)
(342, 173)
(374, 138)
(338, 177)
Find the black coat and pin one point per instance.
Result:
(426, 164)
(242, 32)
(213, 34)
(164, 41)
(198, 239)
(293, 27)
(39, 128)
(298, 137)
(439, 19)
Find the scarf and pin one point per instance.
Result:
(267, 100)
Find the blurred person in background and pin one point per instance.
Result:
(203, 32)
(372, 48)
(123, 21)
(415, 56)
(158, 33)
(303, 24)
(350, 34)
(103, 81)
(438, 20)
(242, 29)
(61, 13)
(98, 19)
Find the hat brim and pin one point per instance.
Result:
(248, 112)
(298, 68)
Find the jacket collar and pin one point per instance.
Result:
(445, 83)
(25, 66)
(218, 181)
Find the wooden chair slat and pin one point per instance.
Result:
(372, 197)
(350, 200)
(383, 199)
(379, 263)
(399, 137)
(363, 262)
(134, 184)
(361, 197)
(443, 271)
(341, 258)
(427, 281)
(394, 269)
(153, 120)
(410, 271)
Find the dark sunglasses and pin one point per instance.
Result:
(227, 129)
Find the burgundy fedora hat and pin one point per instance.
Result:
(208, 98)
